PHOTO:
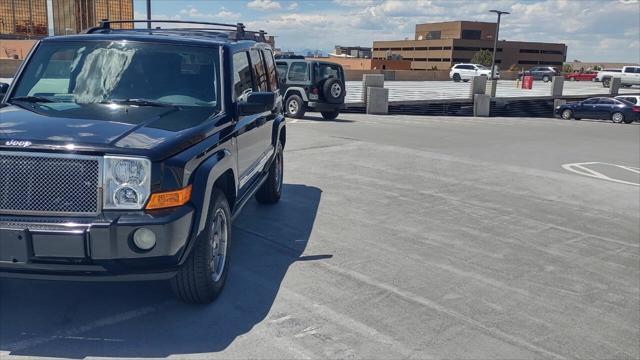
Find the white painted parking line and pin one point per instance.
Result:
(582, 169)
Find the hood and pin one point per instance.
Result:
(99, 127)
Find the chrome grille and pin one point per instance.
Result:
(49, 184)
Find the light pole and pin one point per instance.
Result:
(149, 14)
(495, 41)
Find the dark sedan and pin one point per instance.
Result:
(615, 110)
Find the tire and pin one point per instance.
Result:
(546, 78)
(572, 79)
(333, 90)
(567, 114)
(271, 189)
(294, 107)
(202, 277)
(617, 117)
(330, 115)
(606, 82)
(456, 77)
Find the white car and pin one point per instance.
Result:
(629, 75)
(634, 99)
(465, 72)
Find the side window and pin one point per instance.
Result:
(590, 101)
(631, 100)
(259, 72)
(606, 102)
(241, 75)
(282, 70)
(298, 71)
(271, 70)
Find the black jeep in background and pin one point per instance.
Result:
(311, 85)
(126, 154)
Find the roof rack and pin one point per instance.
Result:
(234, 31)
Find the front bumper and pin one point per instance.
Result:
(98, 248)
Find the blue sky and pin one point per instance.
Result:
(604, 30)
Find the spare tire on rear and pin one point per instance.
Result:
(333, 91)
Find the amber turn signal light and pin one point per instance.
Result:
(169, 199)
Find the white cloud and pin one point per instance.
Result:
(292, 6)
(194, 13)
(264, 5)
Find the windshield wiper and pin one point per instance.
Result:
(31, 99)
(138, 102)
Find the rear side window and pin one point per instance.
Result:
(298, 71)
(271, 69)
(259, 71)
(241, 75)
(606, 102)
(630, 99)
(590, 101)
(282, 70)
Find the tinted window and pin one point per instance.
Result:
(298, 71)
(629, 70)
(259, 73)
(282, 70)
(630, 99)
(471, 34)
(271, 69)
(590, 101)
(606, 102)
(433, 35)
(241, 75)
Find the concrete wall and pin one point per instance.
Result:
(415, 75)
(8, 67)
(348, 63)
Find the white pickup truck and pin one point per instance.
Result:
(629, 75)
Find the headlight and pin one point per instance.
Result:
(127, 182)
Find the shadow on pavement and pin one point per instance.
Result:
(76, 320)
(321, 119)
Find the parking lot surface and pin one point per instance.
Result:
(396, 237)
(434, 90)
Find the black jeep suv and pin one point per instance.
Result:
(126, 154)
(311, 85)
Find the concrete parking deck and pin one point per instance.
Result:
(397, 237)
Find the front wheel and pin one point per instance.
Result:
(271, 190)
(202, 277)
(456, 78)
(330, 115)
(567, 114)
(617, 117)
(294, 107)
(606, 82)
(546, 78)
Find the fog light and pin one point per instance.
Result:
(144, 239)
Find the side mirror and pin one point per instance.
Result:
(4, 87)
(257, 102)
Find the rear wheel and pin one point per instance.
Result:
(617, 117)
(271, 190)
(202, 277)
(456, 77)
(606, 82)
(546, 78)
(330, 115)
(294, 107)
(567, 114)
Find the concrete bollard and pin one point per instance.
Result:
(614, 86)
(557, 83)
(378, 101)
(371, 80)
(481, 105)
(478, 85)
(492, 86)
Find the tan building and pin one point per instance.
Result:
(23, 19)
(441, 45)
(73, 16)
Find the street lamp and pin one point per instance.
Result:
(495, 41)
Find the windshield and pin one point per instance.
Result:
(112, 71)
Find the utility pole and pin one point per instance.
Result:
(495, 41)
(149, 14)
